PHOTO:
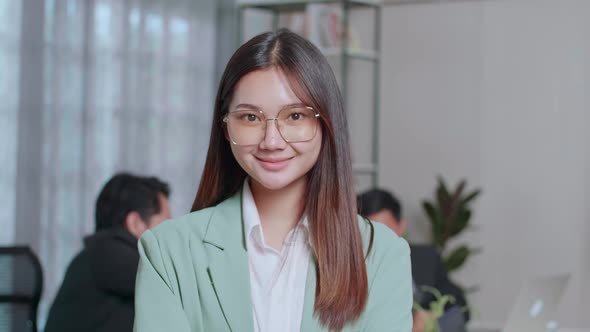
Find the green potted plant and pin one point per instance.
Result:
(436, 309)
(449, 215)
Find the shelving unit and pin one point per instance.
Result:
(342, 54)
(300, 5)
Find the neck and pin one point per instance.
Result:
(279, 210)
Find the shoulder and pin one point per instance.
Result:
(194, 223)
(178, 233)
(175, 247)
(111, 242)
(385, 246)
(199, 224)
(389, 305)
(78, 266)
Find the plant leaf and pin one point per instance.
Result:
(443, 197)
(456, 258)
(442, 186)
(471, 196)
(430, 211)
(459, 191)
(431, 290)
(461, 222)
(471, 289)
(437, 224)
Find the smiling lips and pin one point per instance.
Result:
(273, 164)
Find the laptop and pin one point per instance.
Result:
(536, 305)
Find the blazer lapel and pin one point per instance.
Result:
(309, 322)
(228, 264)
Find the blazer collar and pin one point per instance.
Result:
(226, 228)
(228, 264)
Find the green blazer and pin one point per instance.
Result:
(193, 276)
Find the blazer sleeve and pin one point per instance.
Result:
(390, 297)
(157, 308)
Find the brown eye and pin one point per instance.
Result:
(251, 117)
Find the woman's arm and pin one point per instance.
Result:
(157, 308)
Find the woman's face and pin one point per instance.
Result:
(272, 162)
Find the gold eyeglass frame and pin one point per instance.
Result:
(275, 120)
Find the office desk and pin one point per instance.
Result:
(475, 326)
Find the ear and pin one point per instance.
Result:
(226, 133)
(134, 224)
(403, 225)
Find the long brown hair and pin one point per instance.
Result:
(342, 287)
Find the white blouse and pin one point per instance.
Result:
(277, 279)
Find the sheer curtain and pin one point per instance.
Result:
(123, 85)
(9, 65)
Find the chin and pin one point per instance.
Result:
(275, 181)
(272, 185)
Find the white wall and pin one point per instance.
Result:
(496, 92)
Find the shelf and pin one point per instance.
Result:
(299, 5)
(342, 55)
(355, 53)
(364, 168)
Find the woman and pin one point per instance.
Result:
(275, 243)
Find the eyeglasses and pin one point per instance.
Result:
(295, 124)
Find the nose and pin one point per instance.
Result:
(272, 137)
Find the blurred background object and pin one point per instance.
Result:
(449, 215)
(90, 88)
(21, 283)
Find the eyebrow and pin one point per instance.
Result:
(256, 108)
(249, 106)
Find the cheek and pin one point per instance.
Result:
(241, 153)
(316, 145)
(311, 150)
(315, 153)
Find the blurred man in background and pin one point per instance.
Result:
(427, 266)
(97, 293)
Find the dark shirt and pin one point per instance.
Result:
(97, 293)
(428, 270)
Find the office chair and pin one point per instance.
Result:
(21, 283)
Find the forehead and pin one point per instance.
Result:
(268, 89)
